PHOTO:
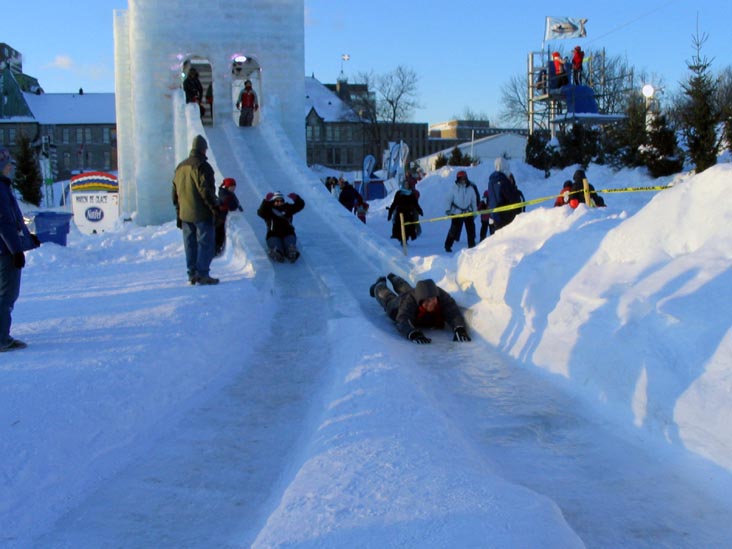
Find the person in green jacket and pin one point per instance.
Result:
(196, 206)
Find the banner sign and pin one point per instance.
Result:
(94, 201)
(564, 27)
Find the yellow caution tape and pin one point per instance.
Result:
(536, 201)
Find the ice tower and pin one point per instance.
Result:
(229, 41)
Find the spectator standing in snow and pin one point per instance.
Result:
(196, 206)
(564, 196)
(348, 195)
(277, 214)
(228, 202)
(577, 196)
(406, 201)
(414, 308)
(502, 191)
(462, 199)
(247, 104)
(15, 239)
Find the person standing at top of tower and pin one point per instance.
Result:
(577, 58)
(247, 104)
(561, 78)
(193, 89)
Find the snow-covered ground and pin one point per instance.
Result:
(281, 408)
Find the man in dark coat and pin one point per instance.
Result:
(277, 214)
(405, 202)
(196, 206)
(348, 196)
(193, 89)
(424, 306)
(15, 239)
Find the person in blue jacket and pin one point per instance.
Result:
(15, 239)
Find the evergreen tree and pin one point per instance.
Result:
(724, 104)
(440, 161)
(536, 151)
(698, 112)
(662, 155)
(28, 178)
(456, 158)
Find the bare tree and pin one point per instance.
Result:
(394, 100)
(470, 114)
(397, 97)
(515, 102)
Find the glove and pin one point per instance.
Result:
(19, 260)
(36, 240)
(178, 223)
(268, 197)
(293, 196)
(415, 336)
(461, 334)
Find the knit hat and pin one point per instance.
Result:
(228, 182)
(199, 145)
(277, 195)
(5, 158)
(462, 174)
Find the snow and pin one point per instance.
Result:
(281, 408)
(71, 108)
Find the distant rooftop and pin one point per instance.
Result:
(72, 108)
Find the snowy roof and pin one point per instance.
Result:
(327, 104)
(72, 108)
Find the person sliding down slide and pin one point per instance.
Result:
(424, 306)
(277, 214)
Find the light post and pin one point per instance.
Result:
(648, 92)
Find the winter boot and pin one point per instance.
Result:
(292, 254)
(372, 289)
(207, 280)
(276, 255)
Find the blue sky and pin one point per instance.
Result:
(463, 51)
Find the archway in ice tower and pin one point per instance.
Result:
(205, 75)
(243, 68)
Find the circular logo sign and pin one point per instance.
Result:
(94, 214)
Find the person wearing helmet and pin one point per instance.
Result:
(461, 200)
(247, 104)
(277, 214)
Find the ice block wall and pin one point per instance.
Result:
(153, 38)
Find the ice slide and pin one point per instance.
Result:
(434, 451)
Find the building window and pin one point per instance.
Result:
(11, 136)
(329, 133)
(79, 136)
(309, 133)
(87, 135)
(65, 136)
(107, 160)
(334, 156)
(317, 133)
(106, 136)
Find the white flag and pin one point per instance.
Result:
(564, 27)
